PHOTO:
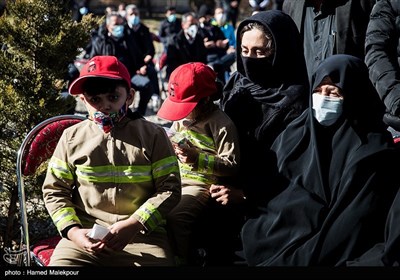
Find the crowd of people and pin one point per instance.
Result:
(290, 156)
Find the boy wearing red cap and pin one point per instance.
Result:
(115, 169)
(205, 141)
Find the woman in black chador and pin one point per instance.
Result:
(337, 159)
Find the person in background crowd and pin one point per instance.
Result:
(140, 34)
(186, 46)
(206, 143)
(330, 27)
(223, 64)
(382, 56)
(338, 177)
(169, 26)
(269, 90)
(260, 5)
(122, 9)
(231, 10)
(116, 170)
(109, 9)
(79, 8)
(214, 40)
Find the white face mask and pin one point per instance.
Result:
(326, 109)
(192, 31)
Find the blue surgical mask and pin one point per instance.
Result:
(171, 18)
(118, 31)
(326, 109)
(134, 20)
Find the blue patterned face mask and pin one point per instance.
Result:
(107, 122)
(118, 31)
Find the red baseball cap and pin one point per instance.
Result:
(187, 85)
(101, 67)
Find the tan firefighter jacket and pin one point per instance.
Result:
(95, 177)
(216, 137)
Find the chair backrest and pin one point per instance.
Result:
(37, 147)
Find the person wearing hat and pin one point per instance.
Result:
(115, 169)
(205, 141)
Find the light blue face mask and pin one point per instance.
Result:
(326, 110)
(134, 20)
(118, 31)
(171, 18)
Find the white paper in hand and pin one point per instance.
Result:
(98, 232)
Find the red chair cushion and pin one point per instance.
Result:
(43, 145)
(44, 249)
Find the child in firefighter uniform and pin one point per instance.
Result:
(205, 141)
(116, 170)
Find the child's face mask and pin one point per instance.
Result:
(107, 121)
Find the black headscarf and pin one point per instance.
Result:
(262, 111)
(283, 96)
(341, 180)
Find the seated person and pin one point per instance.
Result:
(336, 164)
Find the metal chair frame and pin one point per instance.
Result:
(21, 157)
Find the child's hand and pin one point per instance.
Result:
(122, 233)
(186, 153)
(79, 237)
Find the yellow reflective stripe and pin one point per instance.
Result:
(59, 168)
(165, 166)
(63, 216)
(149, 215)
(187, 173)
(206, 163)
(117, 174)
(202, 141)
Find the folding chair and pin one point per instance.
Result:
(37, 147)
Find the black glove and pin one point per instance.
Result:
(391, 120)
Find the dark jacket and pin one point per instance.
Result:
(143, 39)
(352, 17)
(179, 51)
(382, 56)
